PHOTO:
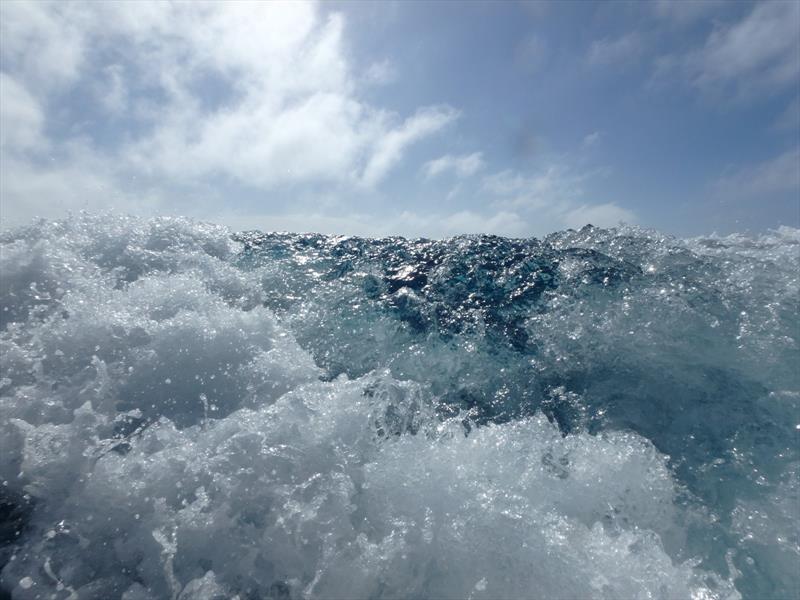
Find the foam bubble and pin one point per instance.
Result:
(602, 414)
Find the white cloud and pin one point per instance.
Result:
(318, 138)
(757, 56)
(462, 166)
(391, 146)
(45, 42)
(260, 94)
(551, 199)
(208, 97)
(21, 118)
(590, 139)
(381, 73)
(505, 223)
(504, 182)
(298, 117)
(617, 51)
(684, 12)
(766, 41)
(435, 225)
(553, 186)
(760, 181)
(112, 91)
(84, 183)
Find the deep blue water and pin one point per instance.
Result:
(187, 412)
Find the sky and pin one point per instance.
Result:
(420, 119)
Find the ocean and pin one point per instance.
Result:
(191, 412)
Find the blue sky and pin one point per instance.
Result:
(410, 118)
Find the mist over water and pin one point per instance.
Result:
(187, 412)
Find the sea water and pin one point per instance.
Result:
(187, 412)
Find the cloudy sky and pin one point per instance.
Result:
(418, 119)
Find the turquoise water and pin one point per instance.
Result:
(187, 412)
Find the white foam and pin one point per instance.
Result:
(175, 442)
(304, 495)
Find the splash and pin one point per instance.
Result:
(190, 413)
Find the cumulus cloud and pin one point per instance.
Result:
(262, 94)
(166, 107)
(461, 166)
(297, 115)
(45, 42)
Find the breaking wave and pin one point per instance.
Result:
(190, 413)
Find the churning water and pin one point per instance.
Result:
(190, 413)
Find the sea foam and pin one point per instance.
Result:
(191, 413)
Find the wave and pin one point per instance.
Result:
(189, 412)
